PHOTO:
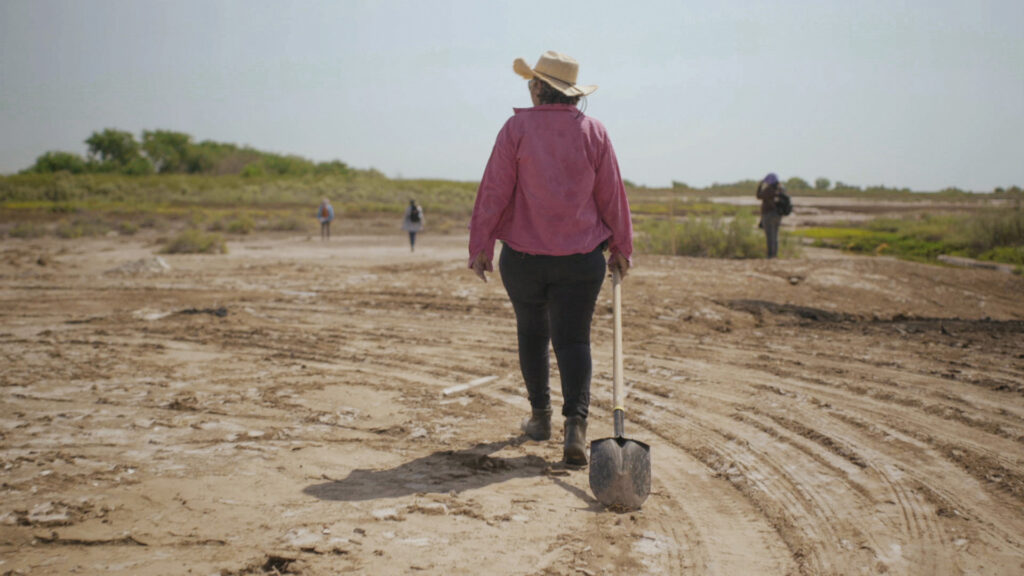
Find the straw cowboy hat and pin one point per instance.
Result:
(556, 69)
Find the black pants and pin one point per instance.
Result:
(554, 298)
(325, 230)
(771, 221)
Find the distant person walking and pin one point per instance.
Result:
(769, 191)
(325, 214)
(413, 222)
(552, 193)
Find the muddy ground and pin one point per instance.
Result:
(295, 407)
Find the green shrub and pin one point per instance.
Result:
(996, 228)
(138, 167)
(26, 230)
(737, 237)
(56, 161)
(254, 170)
(240, 225)
(193, 241)
(1006, 254)
(127, 228)
(81, 227)
(288, 224)
(196, 218)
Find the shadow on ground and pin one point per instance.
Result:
(441, 472)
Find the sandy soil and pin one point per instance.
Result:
(283, 409)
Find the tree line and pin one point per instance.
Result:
(169, 152)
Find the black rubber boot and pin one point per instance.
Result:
(575, 441)
(538, 427)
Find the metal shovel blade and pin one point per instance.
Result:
(620, 472)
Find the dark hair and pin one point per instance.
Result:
(548, 95)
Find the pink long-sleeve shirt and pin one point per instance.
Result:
(552, 186)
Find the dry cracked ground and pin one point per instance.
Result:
(306, 407)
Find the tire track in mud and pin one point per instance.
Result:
(945, 428)
(832, 398)
(819, 508)
(796, 514)
(917, 528)
(936, 396)
(712, 514)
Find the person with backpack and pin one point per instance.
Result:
(325, 214)
(553, 194)
(775, 204)
(413, 222)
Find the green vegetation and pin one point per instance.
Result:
(288, 223)
(193, 241)
(993, 235)
(51, 162)
(736, 237)
(27, 230)
(127, 228)
(653, 204)
(823, 187)
(242, 225)
(81, 227)
(166, 180)
(990, 235)
(168, 152)
(175, 195)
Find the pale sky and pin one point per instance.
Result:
(924, 94)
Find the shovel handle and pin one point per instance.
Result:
(618, 394)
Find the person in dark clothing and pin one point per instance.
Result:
(768, 192)
(413, 222)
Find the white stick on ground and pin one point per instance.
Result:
(471, 384)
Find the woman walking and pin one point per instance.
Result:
(552, 193)
(413, 222)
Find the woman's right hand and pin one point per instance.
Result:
(481, 265)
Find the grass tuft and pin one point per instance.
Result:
(241, 225)
(193, 241)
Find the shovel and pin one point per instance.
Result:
(620, 468)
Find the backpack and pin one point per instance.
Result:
(414, 214)
(324, 212)
(783, 205)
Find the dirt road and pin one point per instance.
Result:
(295, 407)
